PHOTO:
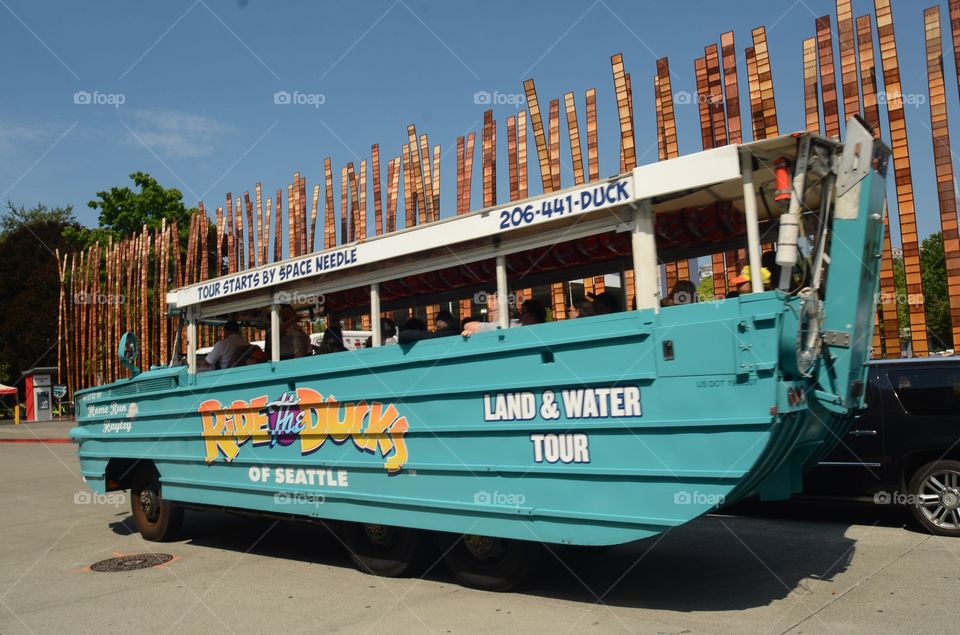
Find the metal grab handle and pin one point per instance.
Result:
(863, 433)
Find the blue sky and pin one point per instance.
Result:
(197, 81)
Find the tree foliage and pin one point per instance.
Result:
(124, 211)
(936, 299)
(936, 303)
(900, 284)
(30, 288)
(705, 291)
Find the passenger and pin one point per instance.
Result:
(443, 324)
(742, 282)
(332, 341)
(605, 303)
(388, 333)
(294, 342)
(227, 351)
(583, 308)
(414, 324)
(256, 355)
(684, 292)
(533, 312)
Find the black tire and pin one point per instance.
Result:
(489, 564)
(156, 519)
(935, 489)
(385, 550)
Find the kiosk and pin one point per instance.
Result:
(39, 392)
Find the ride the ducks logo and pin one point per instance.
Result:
(309, 417)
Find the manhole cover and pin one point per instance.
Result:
(131, 562)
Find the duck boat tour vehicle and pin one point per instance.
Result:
(591, 431)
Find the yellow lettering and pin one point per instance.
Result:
(396, 462)
(258, 421)
(350, 424)
(215, 429)
(242, 421)
(314, 433)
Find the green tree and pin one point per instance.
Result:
(936, 302)
(30, 285)
(124, 211)
(16, 218)
(900, 284)
(705, 289)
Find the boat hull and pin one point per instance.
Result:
(595, 431)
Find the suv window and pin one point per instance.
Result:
(928, 391)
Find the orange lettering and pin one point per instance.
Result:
(215, 432)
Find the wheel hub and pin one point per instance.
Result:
(379, 534)
(950, 499)
(483, 547)
(150, 504)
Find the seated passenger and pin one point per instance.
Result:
(388, 331)
(256, 355)
(443, 323)
(414, 324)
(294, 342)
(388, 334)
(582, 309)
(226, 352)
(683, 292)
(741, 284)
(604, 303)
(533, 312)
(332, 341)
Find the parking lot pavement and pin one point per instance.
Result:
(800, 572)
(32, 431)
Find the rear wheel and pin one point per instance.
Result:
(936, 491)
(385, 550)
(156, 519)
(484, 562)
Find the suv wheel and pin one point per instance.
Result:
(936, 491)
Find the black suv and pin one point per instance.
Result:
(905, 447)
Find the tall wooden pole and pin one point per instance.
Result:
(828, 78)
(942, 156)
(377, 198)
(902, 176)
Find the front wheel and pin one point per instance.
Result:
(487, 563)
(385, 550)
(935, 488)
(156, 519)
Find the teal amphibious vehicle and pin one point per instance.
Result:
(593, 431)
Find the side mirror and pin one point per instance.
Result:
(127, 352)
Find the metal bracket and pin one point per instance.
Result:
(857, 158)
(836, 338)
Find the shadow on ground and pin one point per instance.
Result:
(746, 557)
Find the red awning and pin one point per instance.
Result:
(7, 390)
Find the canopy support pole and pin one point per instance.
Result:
(191, 341)
(646, 273)
(503, 300)
(274, 332)
(753, 221)
(375, 313)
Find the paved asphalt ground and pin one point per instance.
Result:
(796, 569)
